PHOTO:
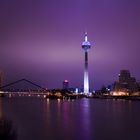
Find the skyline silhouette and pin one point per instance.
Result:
(41, 40)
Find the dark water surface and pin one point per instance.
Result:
(83, 119)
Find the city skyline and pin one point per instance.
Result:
(41, 41)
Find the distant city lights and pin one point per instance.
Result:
(120, 93)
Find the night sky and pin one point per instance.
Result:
(40, 40)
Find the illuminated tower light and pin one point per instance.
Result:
(86, 46)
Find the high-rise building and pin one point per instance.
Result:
(86, 46)
(65, 84)
(126, 82)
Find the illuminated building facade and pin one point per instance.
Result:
(126, 83)
(86, 46)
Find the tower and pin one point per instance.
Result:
(86, 46)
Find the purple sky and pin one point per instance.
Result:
(40, 40)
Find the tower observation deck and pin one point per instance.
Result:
(86, 46)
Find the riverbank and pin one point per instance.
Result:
(135, 98)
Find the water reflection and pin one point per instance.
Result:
(86, 117)
(83, 119)
(6, 126)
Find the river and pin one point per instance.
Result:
(82, 119)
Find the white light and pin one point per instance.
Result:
(58, 100)
(86, 82)
(86, 39)
(76, 90)
(44, 96)
(90, 94)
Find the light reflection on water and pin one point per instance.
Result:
(85, 119)
(7, 130)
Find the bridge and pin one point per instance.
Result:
(7, 90)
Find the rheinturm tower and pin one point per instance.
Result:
(86, 46)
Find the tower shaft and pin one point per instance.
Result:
(86, 80)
